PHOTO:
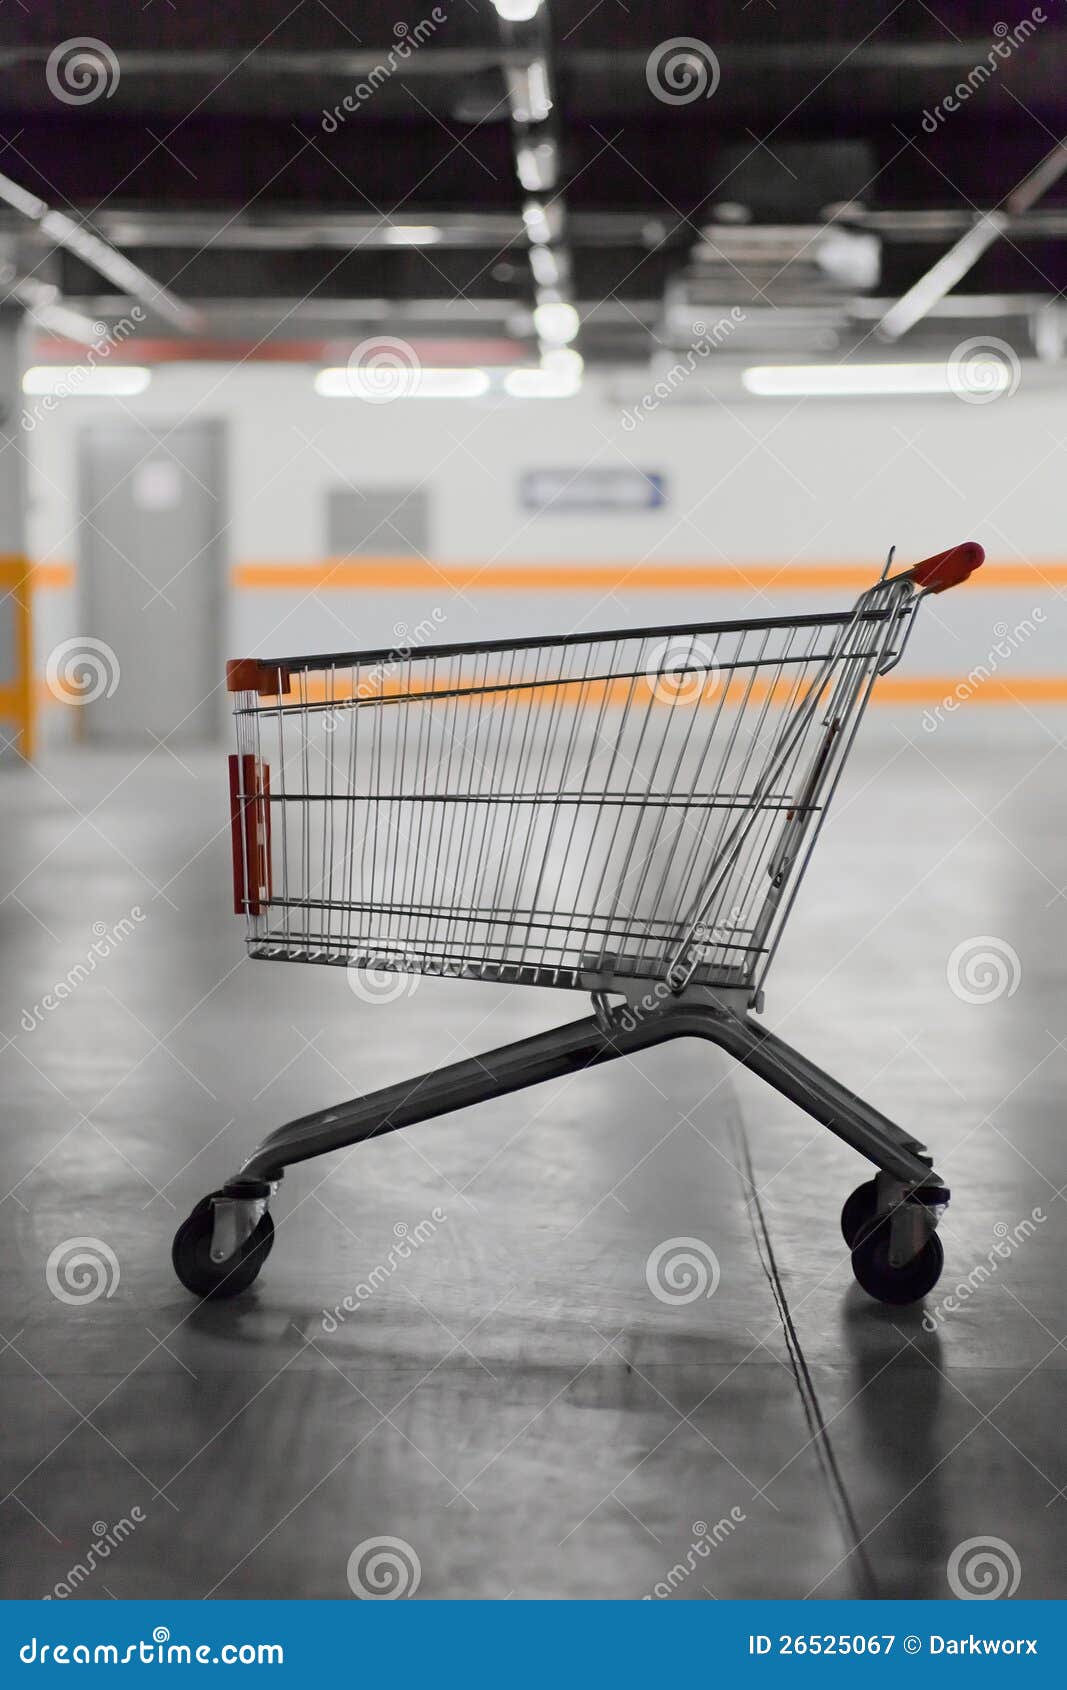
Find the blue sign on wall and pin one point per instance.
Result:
(568, 490)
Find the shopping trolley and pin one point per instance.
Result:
(629, 814)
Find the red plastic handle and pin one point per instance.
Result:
(250, 833)
(948, 569)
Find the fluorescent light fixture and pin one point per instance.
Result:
(546, 267)
(797, 381)
(529, 91)
(537, 164)
(86, 381)
(556, 322)
(411, 234)
(517, 11)
(542, 384)
(408, 383)
(562, 360)
(541, 222)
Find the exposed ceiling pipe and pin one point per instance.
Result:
(74, 237)
(44, 306)
(953, 265)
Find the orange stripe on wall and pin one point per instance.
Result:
(17, 695)
(416, 574)
(891, 689)
(52, 575)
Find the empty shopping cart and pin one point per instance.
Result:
(629, 814)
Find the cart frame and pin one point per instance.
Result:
(889, 1223)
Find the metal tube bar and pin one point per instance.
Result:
(587, 1044)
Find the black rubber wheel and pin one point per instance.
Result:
(889, 1284)
(191, 1255)
(858, 1211)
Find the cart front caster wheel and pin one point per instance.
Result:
(191, 1255)
(858, 1211)
(877, 1274)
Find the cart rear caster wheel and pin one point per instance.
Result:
(191, 1255)
(889, 1284)
(858, 1211)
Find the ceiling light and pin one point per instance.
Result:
(76, 381)
(851, 260)
(543, 223)
(411, 234)
(537, 164)
(517, 11)
(541, 384)
(408, 383)
(562, 360)
(556, 321)
(529, 91)
(546, 267)
(789, 381)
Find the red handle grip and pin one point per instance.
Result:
(948, 569)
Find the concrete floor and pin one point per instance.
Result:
(512, 1402)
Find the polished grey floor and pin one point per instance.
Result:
(511, 1402)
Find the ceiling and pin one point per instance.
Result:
(796, 161)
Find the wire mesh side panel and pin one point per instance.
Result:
(626, 804)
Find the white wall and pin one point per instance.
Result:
(789, 484)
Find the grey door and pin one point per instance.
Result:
(378, 522)
(152, 558)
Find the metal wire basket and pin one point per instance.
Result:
(629, 804)
(630, 813)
